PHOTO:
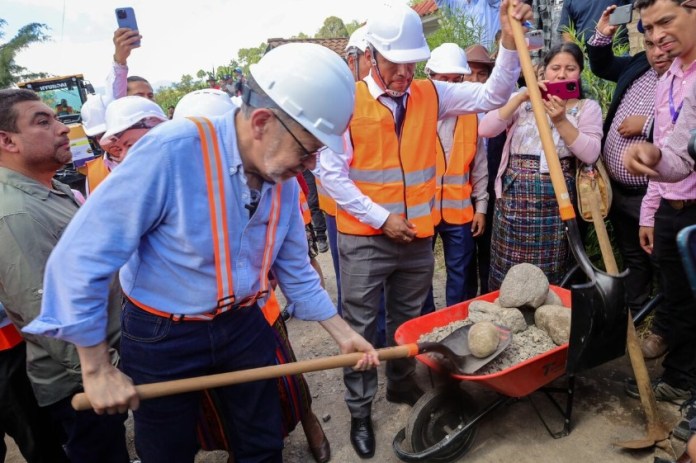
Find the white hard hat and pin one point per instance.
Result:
(396, 32)
(205, 102)
(313, 85)
(357, 39)
(126, 112)
(448, 58)
(93, 115)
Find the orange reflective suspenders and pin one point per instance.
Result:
(215, 181)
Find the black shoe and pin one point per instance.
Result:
(407, 396)
(663, 391)
(322, 245)
(682, 430)
(362, 436)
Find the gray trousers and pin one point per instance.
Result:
(369, 263)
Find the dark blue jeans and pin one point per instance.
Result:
(459, 250)
(156, 349)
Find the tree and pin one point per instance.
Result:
(352, 26)
(11, 72)
(333, 28)
(249, 56)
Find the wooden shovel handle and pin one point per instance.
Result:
(179, 386)
(557, 179)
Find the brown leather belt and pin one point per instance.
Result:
(680, 204)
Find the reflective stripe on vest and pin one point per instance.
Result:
(304, 208)
(326, 202)
(215, 181)
(453, 192)
(96, 173)
(9, 336)
(398, 174)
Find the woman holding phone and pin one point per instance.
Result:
(526, 222)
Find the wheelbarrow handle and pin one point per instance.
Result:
(559, 186)
(179, 386)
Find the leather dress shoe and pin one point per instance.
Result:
(318, 443)
(406, 396)
(362, 436)
(653, 346)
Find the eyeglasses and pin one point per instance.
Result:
(307, 154)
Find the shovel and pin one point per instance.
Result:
(461, 363)
(595, 304)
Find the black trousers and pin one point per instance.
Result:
(21, 418)
(624, 217)
(676, 317)
(318, 220)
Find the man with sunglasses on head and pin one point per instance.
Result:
(384, 185)
(214, 214)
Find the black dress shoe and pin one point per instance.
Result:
(407, 396)
(362, 437)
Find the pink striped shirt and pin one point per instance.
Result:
(677, 82)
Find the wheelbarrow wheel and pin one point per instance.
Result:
(437, 415)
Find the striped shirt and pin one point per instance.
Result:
(638, 100)
(676, 82)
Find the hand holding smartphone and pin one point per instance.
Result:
(621, 15)
(563, 89)
(125, 17)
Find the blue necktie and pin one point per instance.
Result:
(399, 113)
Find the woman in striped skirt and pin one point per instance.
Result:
(526, 224)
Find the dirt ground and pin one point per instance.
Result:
(602, 413)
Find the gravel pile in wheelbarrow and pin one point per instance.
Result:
(527, 287)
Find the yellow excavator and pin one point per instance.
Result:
(66, 95)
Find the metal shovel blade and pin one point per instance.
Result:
(455, 349)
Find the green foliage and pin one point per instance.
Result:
(333, 28)
(11, 72)
(352, 26)
(249, 56)
(455, 27)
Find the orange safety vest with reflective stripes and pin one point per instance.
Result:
(398, 174)
(215, 181)
(304, 207)
(96, 173)
(326, 202)
(453, 189)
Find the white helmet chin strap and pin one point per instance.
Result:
(373, 60)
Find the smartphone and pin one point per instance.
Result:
(621, 15)
(534, 39)
(125, 17)
(563, 89)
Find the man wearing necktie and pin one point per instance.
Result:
(384, 185)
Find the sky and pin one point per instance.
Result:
(178, 37)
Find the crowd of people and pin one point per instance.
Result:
(113, 287)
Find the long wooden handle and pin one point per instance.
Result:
(559, 186)
(153, 390)
(656, 429)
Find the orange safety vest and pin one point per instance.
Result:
(453, 190)
(270, 308)
(398, 174)
(326, 202)
(214, 176)
(304, 207)
(9, 336)
(96, 173)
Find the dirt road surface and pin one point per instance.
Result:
(602, 413)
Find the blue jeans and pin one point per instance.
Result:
(459, 250)
(156, 349)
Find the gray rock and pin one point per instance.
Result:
(555, 320)
(525, 285)
(553, 298)
(483, 339)
(513, 319)
(483, 311)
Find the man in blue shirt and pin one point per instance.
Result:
(194, 247)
